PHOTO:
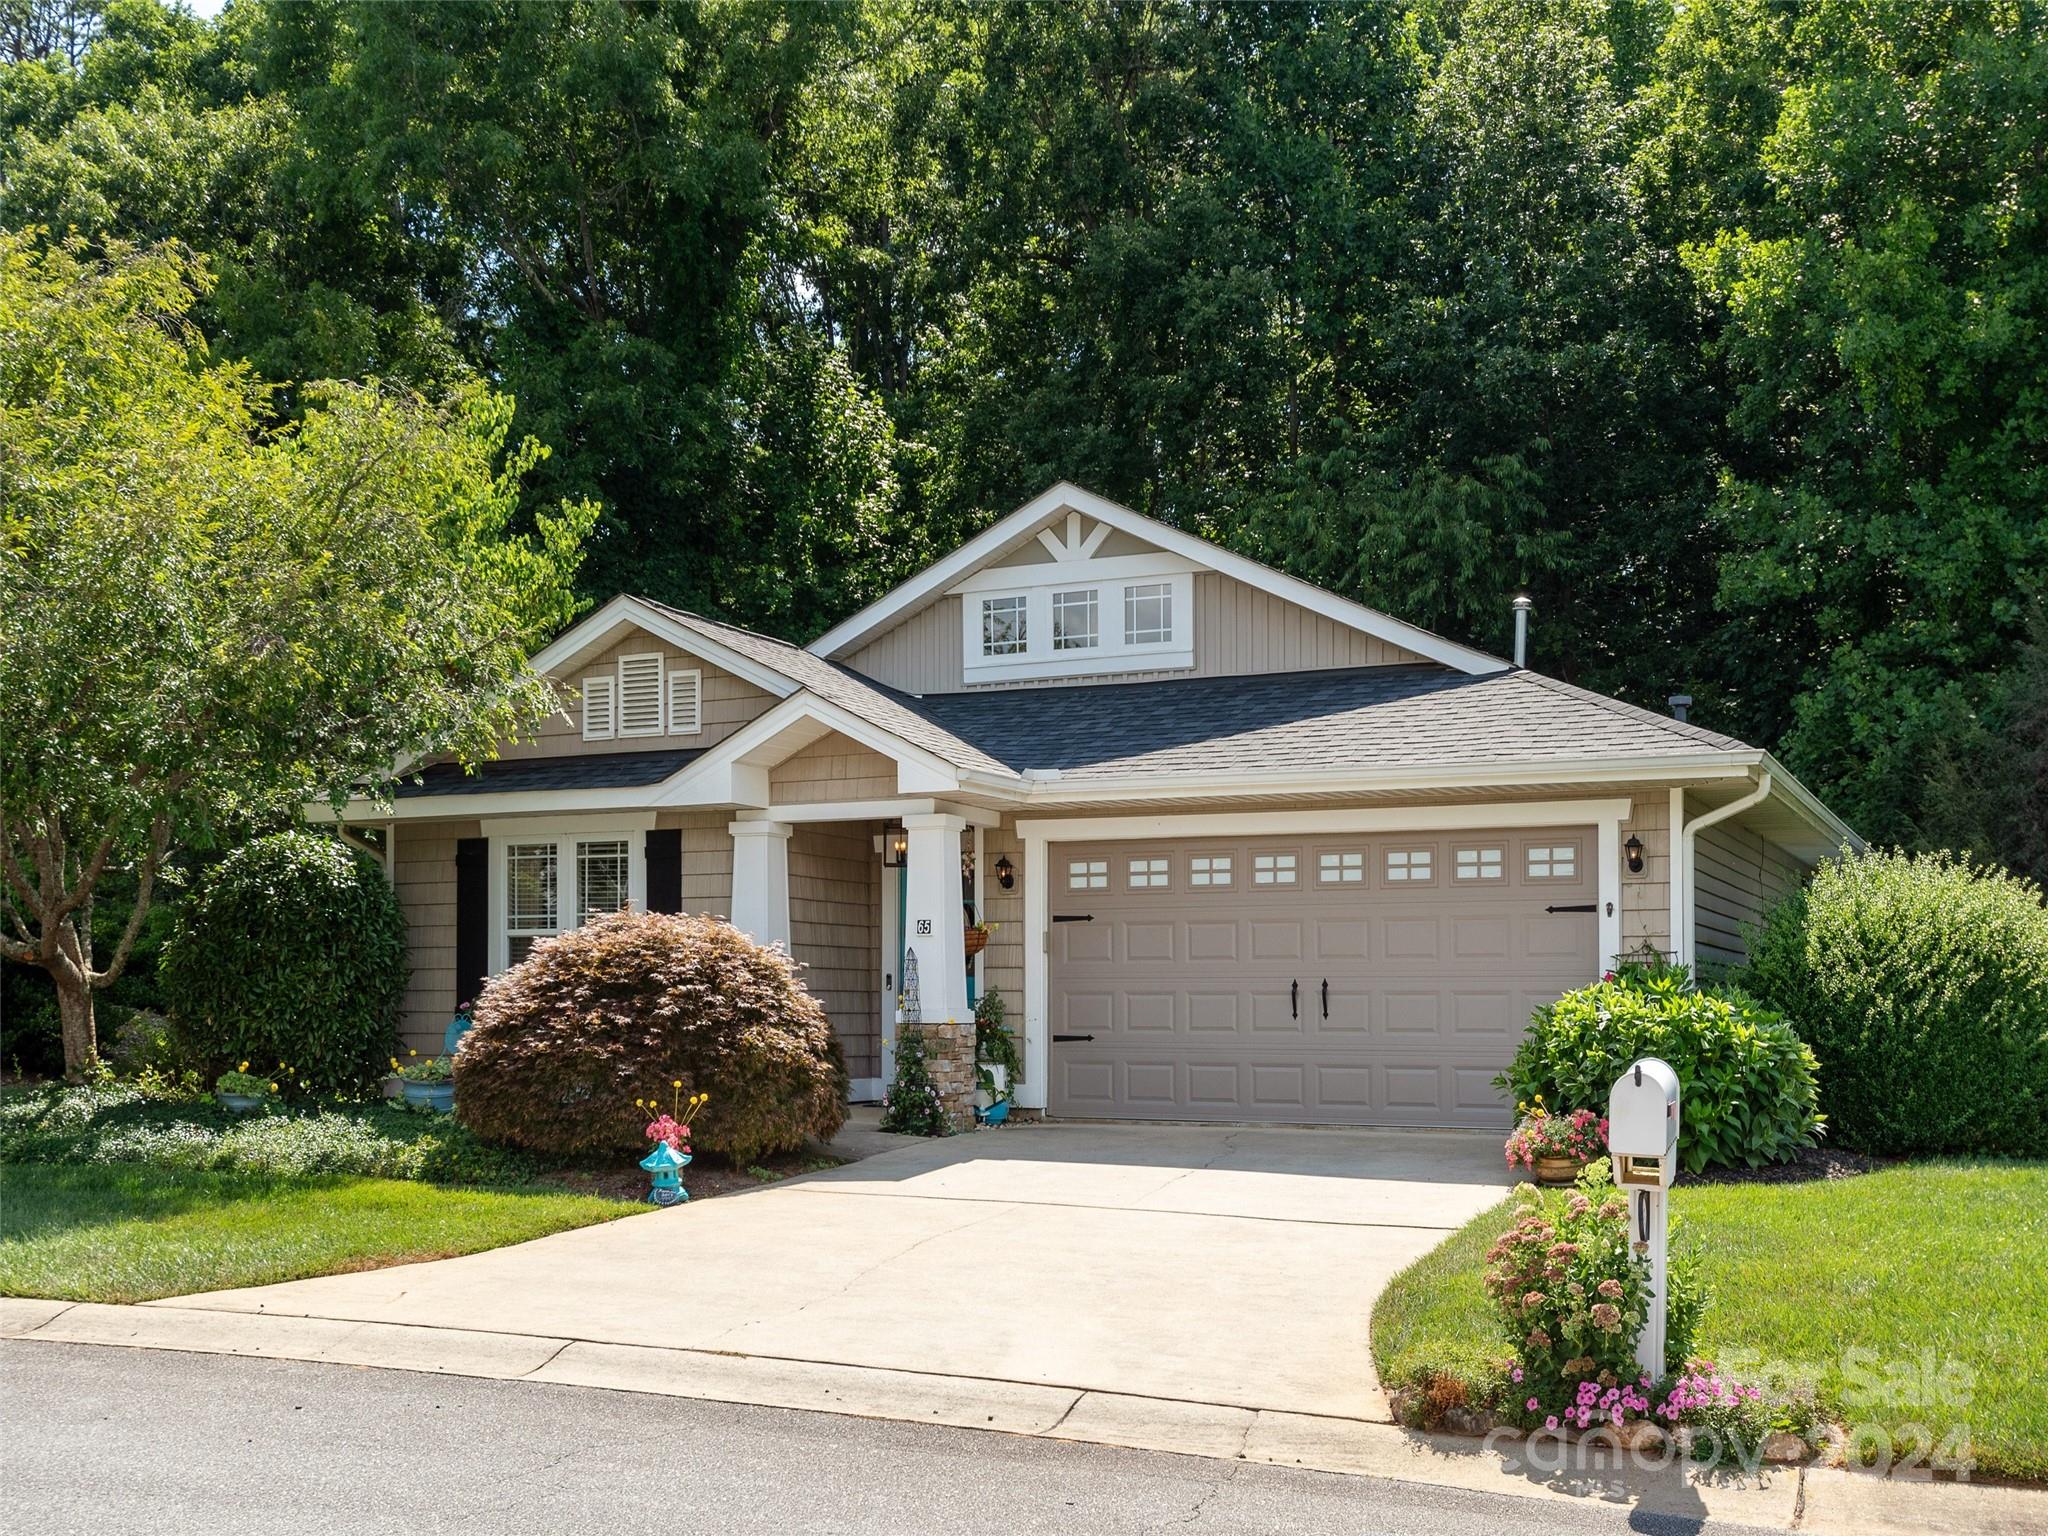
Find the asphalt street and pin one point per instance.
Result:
(98, 1439)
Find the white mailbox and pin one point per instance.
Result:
(1642, 1138)
(1642, 1125)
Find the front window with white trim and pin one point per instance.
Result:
(1553, 861)
(1148, 613)
(1076, 620)
(1088, 874)
(1005, 628)
(1272, 869)
(1209, 870)
(532, 908)
(546, 882)
(603, 871)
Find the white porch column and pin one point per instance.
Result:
(760, 880)
(932, 919)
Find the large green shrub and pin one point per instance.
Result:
(1923, 984)
(1746, 1081)
(631, 1003)
(292, 950)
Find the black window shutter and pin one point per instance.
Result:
(665, 870)
(472, 916)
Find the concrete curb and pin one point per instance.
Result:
(1823, 1500)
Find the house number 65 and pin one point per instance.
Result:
(924, 927)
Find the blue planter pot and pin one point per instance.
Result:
(436, 1096)
(241, 1103)
(996, 1113)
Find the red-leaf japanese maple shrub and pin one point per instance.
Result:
(623, 1007)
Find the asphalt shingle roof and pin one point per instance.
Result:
(901, 714)
(1364, 717)
(591, 770)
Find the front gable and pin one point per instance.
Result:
(1074, 588)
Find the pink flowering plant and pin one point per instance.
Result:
(1579, 1136)
(665, 1126)
(1573, 1295)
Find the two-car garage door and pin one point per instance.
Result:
(1349, 980)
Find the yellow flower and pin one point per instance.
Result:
(273, 1087)
(412, 1053)
(394, 1063)
(677, 1083)
(243, 1067)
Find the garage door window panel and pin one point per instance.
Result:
(1410, 866)
(1148, 872)
(1340, 866)
(1211, 871)
(1488, 862)
(1087, 874)
(1275, 868)
(1557, 861)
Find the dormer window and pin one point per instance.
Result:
(1148, 613)
(1092, 609)
(1005, 625)
(1076, 620)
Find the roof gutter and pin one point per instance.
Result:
(1684, 894)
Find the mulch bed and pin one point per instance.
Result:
(703, 1179)
(1809, 1167)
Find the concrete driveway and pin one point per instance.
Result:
(1196, 1264)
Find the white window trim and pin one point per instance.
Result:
(1107, 579)
(606, 688)
(565, 835)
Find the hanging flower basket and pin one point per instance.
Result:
(977, 937)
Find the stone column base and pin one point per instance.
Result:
(949, 1054)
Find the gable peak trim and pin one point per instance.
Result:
(1037, 516)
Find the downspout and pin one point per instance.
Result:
(1687, 873)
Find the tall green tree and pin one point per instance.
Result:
(204, 620)
(1879, 291)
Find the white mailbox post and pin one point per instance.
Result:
(1642, 1138)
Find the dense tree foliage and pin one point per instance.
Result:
(1718, 327)
(204, 618)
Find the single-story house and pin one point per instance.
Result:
(1252, 851)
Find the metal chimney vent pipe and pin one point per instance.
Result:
(1680, 703)
(1522, 607)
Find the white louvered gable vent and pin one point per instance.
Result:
(600, 708)
(685, 702)
(640, 695)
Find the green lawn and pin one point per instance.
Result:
(129, 1232)
(1916, 1296)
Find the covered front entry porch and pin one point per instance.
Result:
(873, 900)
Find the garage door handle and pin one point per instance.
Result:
(1326, 997)
(1089, 917)
(1583, 907)
(1073, 1037)
(1294, 998)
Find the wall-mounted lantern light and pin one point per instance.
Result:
(1006, 872)
(1634, 849)
(895, 846)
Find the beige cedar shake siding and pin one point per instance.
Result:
(707, 859)
(1646, 898)
(832, 768)
(1002, 963)
(835, 890)
(1238, 629)
(1737, 875)
(424, 878)
(729, 703)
